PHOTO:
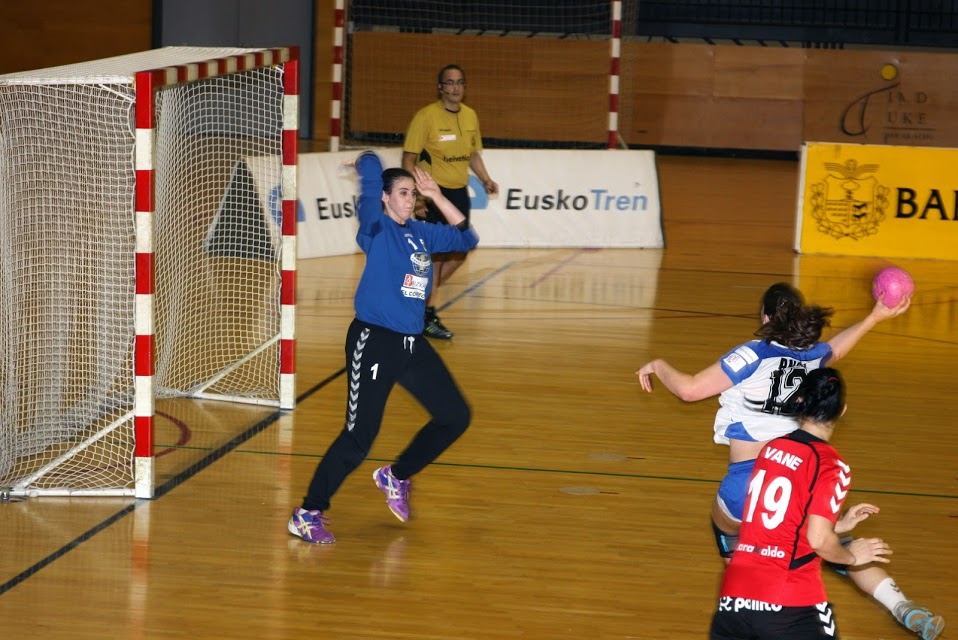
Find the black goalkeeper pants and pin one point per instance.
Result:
(376, 360)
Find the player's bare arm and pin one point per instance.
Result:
(479, 168)
(843, 341)
(709, 382)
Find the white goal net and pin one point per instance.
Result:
(141, 255)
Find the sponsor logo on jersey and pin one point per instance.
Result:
(420, 262)
(767, 551)
(740, 358)
(728, 603)
(414, 286)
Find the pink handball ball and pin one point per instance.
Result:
(895, 283)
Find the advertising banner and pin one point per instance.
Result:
(547, 198)
(878, 200)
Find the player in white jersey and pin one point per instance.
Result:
(763, 376)
(754, 381)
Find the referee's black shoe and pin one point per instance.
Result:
(435, 329)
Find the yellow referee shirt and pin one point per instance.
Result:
(443, 142)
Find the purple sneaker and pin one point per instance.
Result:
(310, 526)
(397, 491)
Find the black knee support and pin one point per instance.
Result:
(726, 542)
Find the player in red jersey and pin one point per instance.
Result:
(773, 586)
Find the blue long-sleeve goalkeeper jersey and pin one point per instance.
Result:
(397, 278)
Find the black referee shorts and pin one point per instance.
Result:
(459, 197)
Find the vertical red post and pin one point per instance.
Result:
(615, 50)
(335, 119)
(287, 388)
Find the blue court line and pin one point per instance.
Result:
(192, 470)
(477, 285)
(162, 490)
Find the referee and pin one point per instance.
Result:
(444, 140)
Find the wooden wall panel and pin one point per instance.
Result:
(555, 90)
(673, 95)
(521, 87)
(759, 73)
(881, 97)
(756, 98)
(711, 96)
(714, 123)
(666, 69)
(69, 31)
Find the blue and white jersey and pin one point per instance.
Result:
(764, 375)
(397, 278)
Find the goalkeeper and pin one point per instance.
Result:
(384, 343)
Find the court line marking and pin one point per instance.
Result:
(162, 490)
(195, 468)
(260, 426)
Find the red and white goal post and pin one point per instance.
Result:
(147, 252)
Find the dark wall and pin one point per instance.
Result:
(244, 23)
(892, 23)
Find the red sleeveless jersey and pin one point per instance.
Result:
(794, 476)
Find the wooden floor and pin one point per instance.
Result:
(575, 506)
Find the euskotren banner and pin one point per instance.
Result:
(878, 201)
(547, 198)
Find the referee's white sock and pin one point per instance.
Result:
(889, 594)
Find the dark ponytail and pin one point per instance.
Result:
(820, 397)
(779, 295)
(791, 322)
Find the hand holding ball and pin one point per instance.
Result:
(891, 285)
